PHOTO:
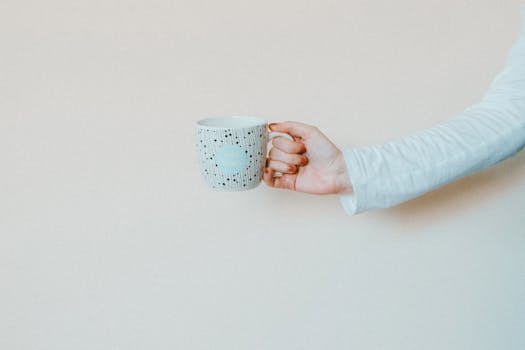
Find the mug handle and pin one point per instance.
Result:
(273, 134)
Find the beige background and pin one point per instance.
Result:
(110, 240)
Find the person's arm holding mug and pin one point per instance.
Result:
(379, 176)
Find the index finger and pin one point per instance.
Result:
(294, 128)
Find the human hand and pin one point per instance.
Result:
(311, 163)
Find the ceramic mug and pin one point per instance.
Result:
(233, 151)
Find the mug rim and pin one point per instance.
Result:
(257, 121)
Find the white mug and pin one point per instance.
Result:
(233, 151)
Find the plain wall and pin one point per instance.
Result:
(109, 239)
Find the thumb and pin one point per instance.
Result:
(294, 128)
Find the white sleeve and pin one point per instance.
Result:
(482, 135)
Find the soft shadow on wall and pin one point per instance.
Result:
(462, 195)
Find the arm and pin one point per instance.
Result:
(483, 135)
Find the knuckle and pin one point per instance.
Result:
(295, 159)
(304, 160)
(301, 148)
(279, 141)
(299, 160)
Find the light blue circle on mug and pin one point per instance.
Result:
(231, 159)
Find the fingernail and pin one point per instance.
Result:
(271, 125)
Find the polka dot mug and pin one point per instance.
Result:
(233, 151)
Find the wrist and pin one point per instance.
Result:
(342, 177)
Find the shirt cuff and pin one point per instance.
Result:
(351, 202)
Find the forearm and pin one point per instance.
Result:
(392, 173)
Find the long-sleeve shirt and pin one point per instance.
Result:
(482, 135)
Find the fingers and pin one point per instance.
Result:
(286, 181)
(294, 128)
(288, 145)
(286, 155)
(297, 159)
(281, 167)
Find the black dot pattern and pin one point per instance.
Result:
(252, 140)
